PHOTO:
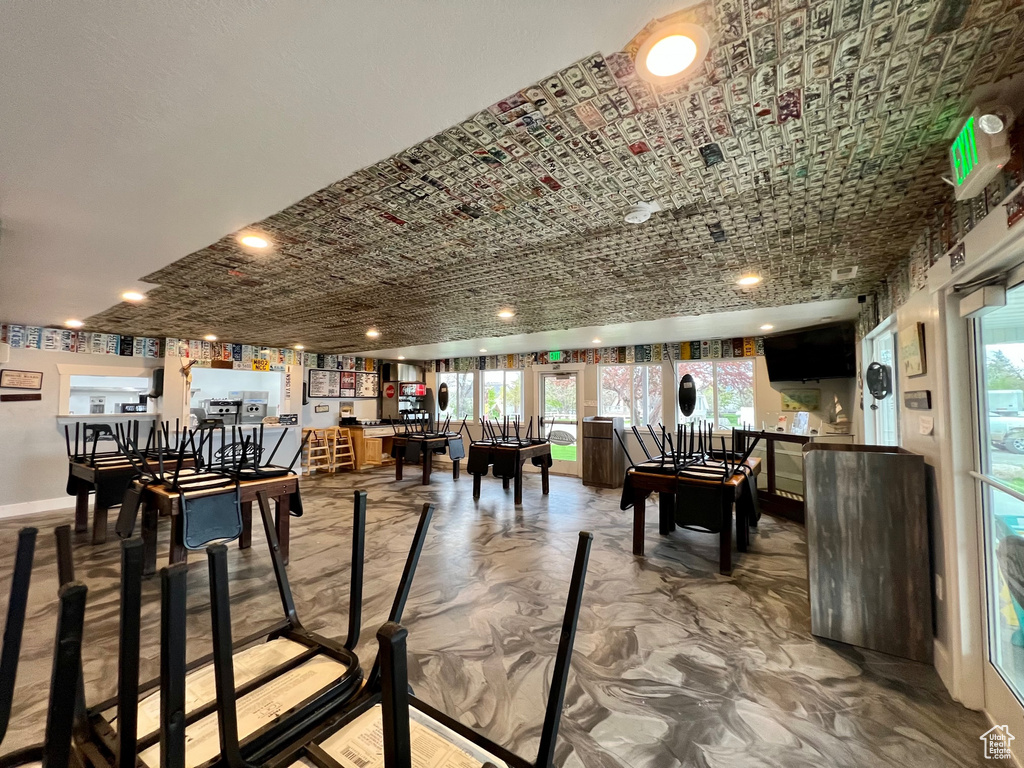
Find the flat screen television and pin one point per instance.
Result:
(824, 352)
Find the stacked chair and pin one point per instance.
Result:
(189, 717)
(317, 452)
(55, 750)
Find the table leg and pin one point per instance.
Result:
(725, 537)
(455, 469)
(178, 553)
(245, 540)
(639, 513)
(476, 485)
(282, 522)
(81, 507)
(518, 493)
(99, 523)
(666, 513)
(399, 461)
(428, 465)
(149, 516)
(545, 479)
(504, 483)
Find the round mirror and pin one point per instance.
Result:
(878, 379)
(442, 397)
(687, 394)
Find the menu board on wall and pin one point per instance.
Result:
(324, 383)
(366, 384)
(348, 383)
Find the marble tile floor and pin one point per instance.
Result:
(675, 665)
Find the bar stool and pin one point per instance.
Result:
(342, 455)
(317, 453)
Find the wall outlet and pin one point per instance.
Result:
(939, 592)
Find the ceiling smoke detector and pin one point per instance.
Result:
(641, 212)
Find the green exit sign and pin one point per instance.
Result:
(555, 357)
(976, 157)
(964, 153)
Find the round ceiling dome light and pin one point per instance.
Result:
(672, 52)
(748, 280)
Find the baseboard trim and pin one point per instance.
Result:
(35, 507)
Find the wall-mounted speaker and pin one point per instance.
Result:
(158, 383)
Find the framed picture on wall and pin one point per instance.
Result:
(12, 379)
(912, 350)
(801, 399)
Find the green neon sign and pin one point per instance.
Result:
(964, 152)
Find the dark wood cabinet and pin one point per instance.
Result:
(604, 464)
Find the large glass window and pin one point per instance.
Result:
(999, 348)
(503, 394)
(725, 391)
(634, 392)
(460, 395)
(882, 413)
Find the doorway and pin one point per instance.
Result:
(559, 406)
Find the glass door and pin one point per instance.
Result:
(559, 398)
(998, 342)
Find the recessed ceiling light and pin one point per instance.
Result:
(748, 280)
(505, 314)
(299, 346)
(482, 349)
(373, 333)
(596, 341)
(255, 241)
(401, 357)
(767, 327)
(133, 296)
(210, 337)
(671, 52)
(73, 323)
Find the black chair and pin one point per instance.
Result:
(15, 623)
(55, 751)
(286, 656)
(389, 703)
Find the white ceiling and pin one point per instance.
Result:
(133, 134)
(721, 325)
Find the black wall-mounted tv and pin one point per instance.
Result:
(824, 352)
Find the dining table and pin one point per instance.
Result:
(672, 485)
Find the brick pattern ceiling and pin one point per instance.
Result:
(814, 137)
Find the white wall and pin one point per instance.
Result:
(33, 458)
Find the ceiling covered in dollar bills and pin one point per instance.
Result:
(813, 138)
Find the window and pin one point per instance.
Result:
(725, 391)
(503, 394)
(460, 395)
(633, 392)
(999, 370)
(881, 417)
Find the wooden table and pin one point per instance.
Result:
(427, 447)
(157, 500)
(667, 485)
(88, 478)
(483, 454)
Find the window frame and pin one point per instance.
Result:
(632, 418)
(455, 397)
(521, 407)
(680, 419)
